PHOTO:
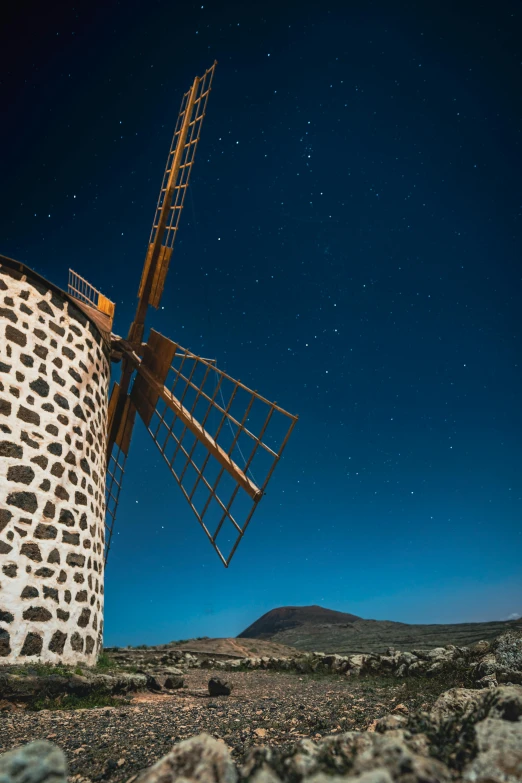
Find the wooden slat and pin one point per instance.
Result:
(124, 434)
(162, 267)
(106, 306)
(158, 356)
(113, 401)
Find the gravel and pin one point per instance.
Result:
(264, 708)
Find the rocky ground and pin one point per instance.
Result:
(365, 726)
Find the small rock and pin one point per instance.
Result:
(400, 708)
(219, 687)
(390, 723)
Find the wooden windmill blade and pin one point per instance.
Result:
(220, 439)
(117, 459)
(164, 229)
(171, 198)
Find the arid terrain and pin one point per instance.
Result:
(158, 715)
(264, 708)
(315, 628)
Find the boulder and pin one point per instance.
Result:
(462, 701)
(379, 775)
(499, 756)
(349, 755)
(200, 759)
(37, 762)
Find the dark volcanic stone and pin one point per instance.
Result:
(58, 378)
(75, 559)
(77, 410)
(37, 614)
(85, 616)
(41, 351)
(32, 551)
(219, 687)
(24, 437)
(45, 308)
(5, 407)
(6, 313)
(22, 474)
(8, 449)
(29, 592)
(32, 645)
(61, 401)
(24, 500)
(5, 645)
(31, 417)
(77, 642)
(57, 642)
(15, 335)
(49, 510)
(42, 461)
(41, 387)
(50, 592)
(59, 330)
(45, 572)
(66, 518)
(61, 492)
(5, 517)
(45, 531)
(85, 466)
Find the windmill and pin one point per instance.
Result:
(220, 439)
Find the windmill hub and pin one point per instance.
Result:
(63, 449)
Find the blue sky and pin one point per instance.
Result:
(350, 247)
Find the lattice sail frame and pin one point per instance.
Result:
(175, 181)
(220, 439)
(116, 463)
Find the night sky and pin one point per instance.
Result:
(350, 247)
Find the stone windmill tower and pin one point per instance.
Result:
(63, 448)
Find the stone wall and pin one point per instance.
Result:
(54, 374)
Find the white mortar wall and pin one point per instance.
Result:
(54, 373)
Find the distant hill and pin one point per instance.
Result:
(287, 617)
(315, 628)
(232, 648)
